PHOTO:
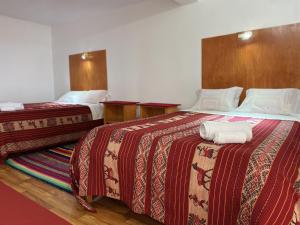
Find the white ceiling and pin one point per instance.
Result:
(52, 12)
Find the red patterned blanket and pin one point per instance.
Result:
(161, 167)
(43, 124)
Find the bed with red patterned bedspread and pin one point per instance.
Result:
(161, 167)
(43, 124)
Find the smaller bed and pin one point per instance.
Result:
(41, 125)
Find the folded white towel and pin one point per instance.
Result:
(8, 109)
(11, 106)
(209, 129)
(233, 137)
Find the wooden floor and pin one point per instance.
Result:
(109, 212)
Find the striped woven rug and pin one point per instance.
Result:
(50, 165)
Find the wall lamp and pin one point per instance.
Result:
(245, 35)
(85, 56)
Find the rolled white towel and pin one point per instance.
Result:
(233, 137)
(208, 129)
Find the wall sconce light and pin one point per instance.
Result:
(85, 56)
(245, 35)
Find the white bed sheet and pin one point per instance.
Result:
(294, 117)
(96, 109)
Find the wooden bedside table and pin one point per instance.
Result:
(154, 109)
(119, 111)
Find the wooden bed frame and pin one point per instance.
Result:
(270, 59)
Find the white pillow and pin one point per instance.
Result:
(270, 101)
(92, 97)
(218, 99)
(96, 96)
(72, 96)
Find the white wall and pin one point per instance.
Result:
(159, 58)
(26, 66)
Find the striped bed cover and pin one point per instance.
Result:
(161, 167)
(41, 125)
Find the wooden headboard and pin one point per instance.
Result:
(88, 74)
(270, 59)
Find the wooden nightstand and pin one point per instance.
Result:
(153, 109)
(119, 111)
